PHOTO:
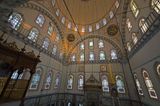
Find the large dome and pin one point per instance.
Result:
(85, 11)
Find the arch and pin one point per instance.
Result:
(149, 85)
(117, 48)
(44, 11)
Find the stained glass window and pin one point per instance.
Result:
(82, 46)
(120, 84)
(35, 79)
(48, 80)
(134, 8)
(15, 20)
(100, 44)
(57, 80)
(129, 46)
(14, 75)
(80, 82)
(91, 44)
(54, 50)
(113, 54)
(105, 83)
(45, 43)
(134, 38)
(143, 25)
(73, 58)
(148, 82)
(156, 5)
(33, 34)
(129, 25)
(140, 91)
(82, 56)
(158, 69)
(40, 20)
(90, 28)
(91, 56)
(70, 82)
(50, 28)
(102, 55)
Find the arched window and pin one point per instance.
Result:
(158, 70)
(15, 20)
(156, 5)
(80, 104)
(90, 28)
(57, 37)
(97, 26)
(69, 104)
(91, 56)
(111, 14)
(45, 43)
(63, 20)
(120, 84)
(50, 29)
(70, 82)
(40, 20)
(69, 25)
(129, 25)
(57, 12)
(53, 2)
(134, 8)
(140, 91)
(83, 29)
(73, 58)
(91, 44)
(102, 55)
(134, 38)
(33, 34)
(148, 82)
(48, 80)
(113, 54)
(54, 50)
(129, 46)
(35, 79)
(82, 56)
(143, 25)
(14, 75)
(57, 81)
(100, 44)
(80, 82)
(82, 46)
(117, 4)
(105, 83)
(104, 21)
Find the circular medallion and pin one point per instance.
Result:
(70, 37)
(112, 30)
